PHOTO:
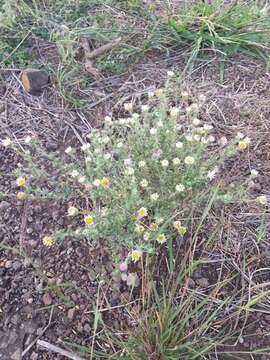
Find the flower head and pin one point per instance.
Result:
(254, 173)
(153, 131)
(196, 122)
(108, 120)
(136, 255)
(141, 163)
(212, 173)
(180, 187)
(139, 229)
(174, 112)
(159, 124)
(262, 200)
(165, 163)
(119, 145)
(144, 183)
(182, 230)
(243, 144)
(128, 106)
(189, 160)
(130, 171)
(20, 181)
(161, 238)
(48, 241)
(179, 145)
(74, 173)
(153, 226)
(123, 267)
(176, 161)
(28, 139)
(69, 150)
(170, 73)
(142, 212)
(184, 95)
(223, 141)
(21, 195)
(88, 219)
(159, 92)
(154, 196)
(85, 147)
(96, 182)
(177, 224)
(105, 182)
(145, 108)
(72, 211)
(107, 156)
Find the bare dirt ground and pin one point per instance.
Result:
(51, 294)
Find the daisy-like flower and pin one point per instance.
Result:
(159, 124)
(28, 139)
(142, 212)
(74, 173)
(243, 144)
(96, 182)
(180, 187)
(130, 171)
(262, 200)
(107, 156)
(223, 141)
(170, 73)
(196, 137)
(154, 196)
(128, 106)
(153, 131)
(151, 94)
(145, 108)
(21, 181)
(144, 183)
(6, 142)
(182, 230)
(85, 147)
(176, 161)
(211, 138)
(189, 137)
(88, 220)
(72, 211)
(139, 229)
(174, 112)
(48, 241)
(21, 195)
(119, 145)
(141, 164)
(161, 238)
(153, 226)
(196, 122)
(179, 145)
(240, 135)
(165, 163)
(105, 182)
(204, 140)
(159, 92)
(69, 150)
(136, 255)
(254, 173)
(189, 160)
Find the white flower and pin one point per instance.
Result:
(128, 106)
(88, 159)
(68, 150)
(135, 116)
(176, 161)
(28, 139)
(223, 141)
(108, 120)
(240, 135)
(192, 109)
(107, 156)
(74, 173)
(254, 173)
(197, 137)
(174, 111)
(207, 127)
(106, 140)
(72, 211)
(159, 124)
(127, 162)
(144, 183)
(85, 147)
(122, 121)
(154, 196)
(211, 138)
(141, 164)
(97, 151)
(179, 145)
(153, 131)
(170, 73)
(6, 142)
(189, 137)
(165, 163)
(82, 179)
(119, 145)
(151, 94)
(180, 187)
(196, 122)
(189, 160)
(130, 171)
(212, 173)
(96, 182)
(202, 98)
(145, 108)
(204, 140)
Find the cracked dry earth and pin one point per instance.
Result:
(51, 293)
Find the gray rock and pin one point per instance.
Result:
(4, 205)
(71, 313)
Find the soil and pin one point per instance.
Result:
(51, 294)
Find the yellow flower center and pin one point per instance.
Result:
(47, 241)
(136, 255)
(242, 145)
(20, 181)
(88, 220)
(142, 212)
(105, 182)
